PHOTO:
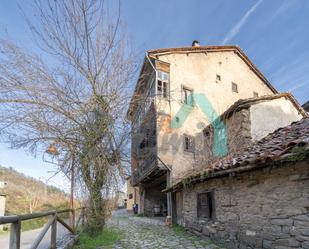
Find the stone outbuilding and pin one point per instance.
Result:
(257, 197)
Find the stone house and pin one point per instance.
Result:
(180, 91)
(255, 197)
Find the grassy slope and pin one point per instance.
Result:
(22, 190)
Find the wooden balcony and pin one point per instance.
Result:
(147, 171)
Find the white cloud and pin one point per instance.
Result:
(237, 27)
(283, 8)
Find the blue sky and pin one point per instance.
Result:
(274, 34)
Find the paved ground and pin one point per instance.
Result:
(149, 233)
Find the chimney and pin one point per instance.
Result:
(195, 43)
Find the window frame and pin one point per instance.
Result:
(163, 80)
(234, 87)
(191, 143)
(210, 206)
(184, 95)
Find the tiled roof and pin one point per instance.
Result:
(279, 146)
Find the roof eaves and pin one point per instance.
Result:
(131, 105)
(201, 49)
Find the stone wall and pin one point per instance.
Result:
(238, 129)
(153, 196)
(266, 208)
(239, 137)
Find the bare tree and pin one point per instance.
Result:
(32, 198)
(70, 96)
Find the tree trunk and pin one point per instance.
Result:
(96, 212)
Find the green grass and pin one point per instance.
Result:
(33, 224)
(107, 238)
(179, 230)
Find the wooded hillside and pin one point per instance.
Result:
(26, 194)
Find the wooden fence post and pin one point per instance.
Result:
(15, 235)
(53, 238)
(72, 218)
(83, 216)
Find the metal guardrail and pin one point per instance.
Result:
(15, 221)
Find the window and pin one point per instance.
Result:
(189, 145)
(208, 134)
(162, 85)
(255, 94)
(218, 78)
(187, 96)
(130, 196)
(205, 205)
(234, 87)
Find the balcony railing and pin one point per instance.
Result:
(144, 168)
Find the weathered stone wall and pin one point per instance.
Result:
(239, 137)
(153, 196)
(266, 208)
(238, 129)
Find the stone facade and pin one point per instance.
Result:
(265, 208)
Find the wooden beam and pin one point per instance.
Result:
(53, 236)
(42, 233)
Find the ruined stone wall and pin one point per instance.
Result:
(239, 137)
(266, 208)
(238, 129)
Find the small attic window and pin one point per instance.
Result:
(218, 78)
(255, 94)
(234, 87)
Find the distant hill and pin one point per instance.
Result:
(26, 194)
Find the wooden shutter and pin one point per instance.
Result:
(202, 206)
